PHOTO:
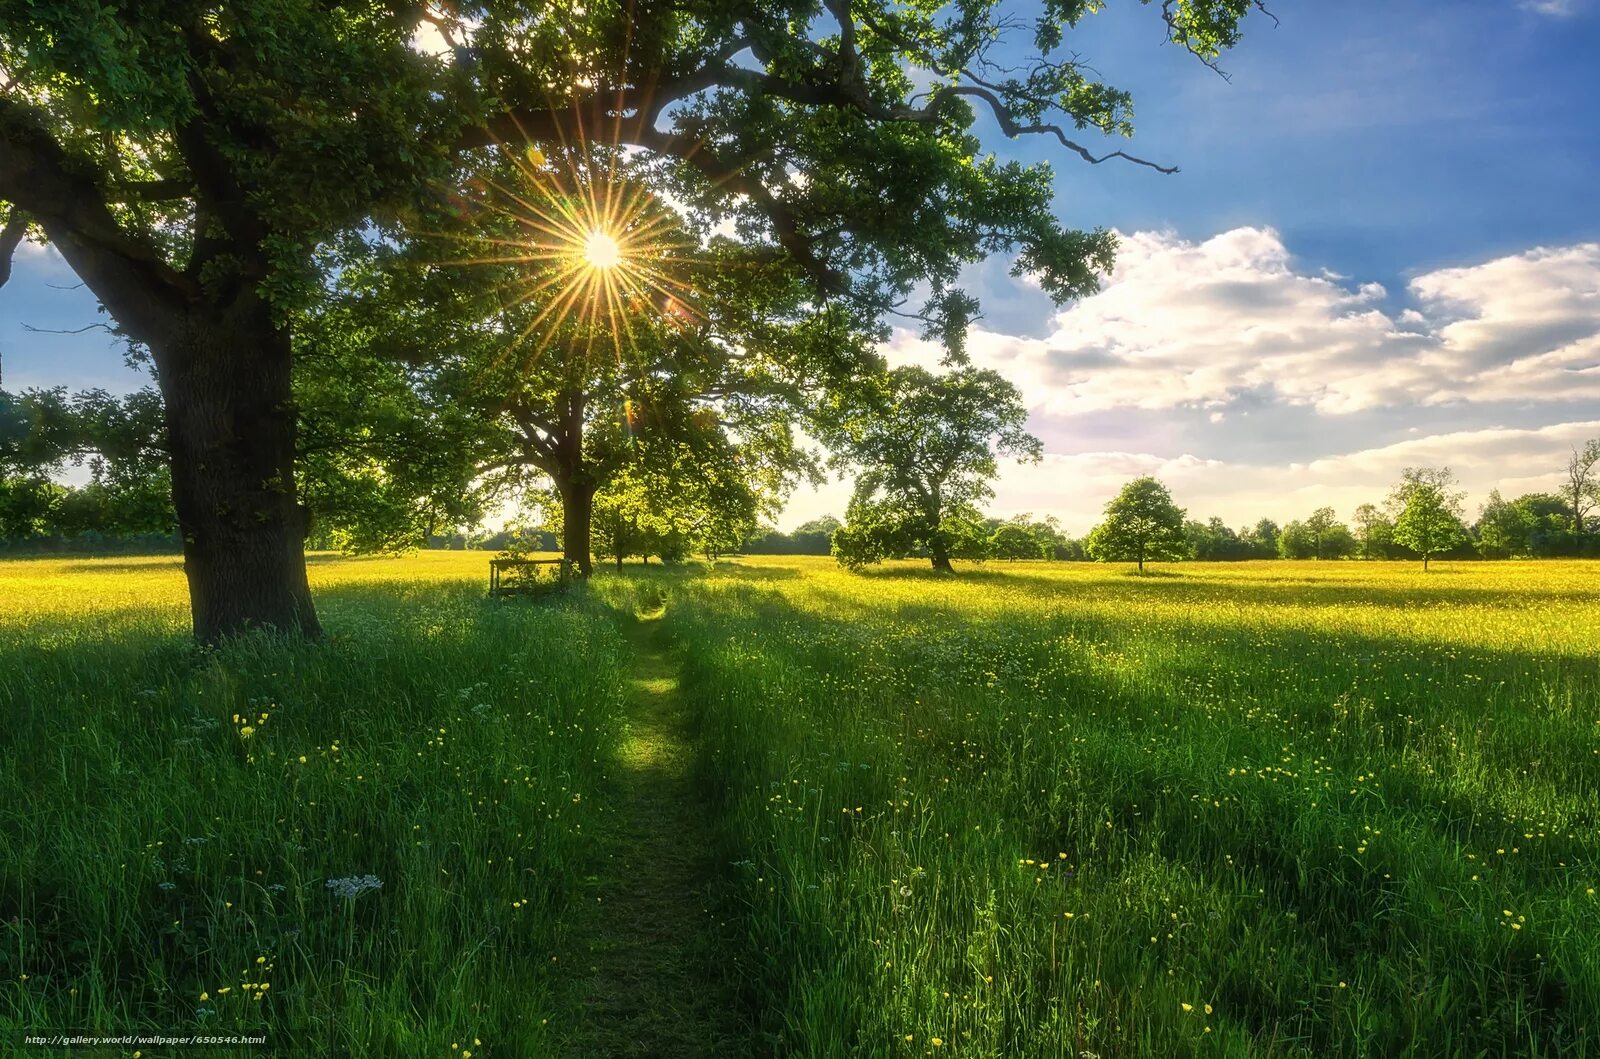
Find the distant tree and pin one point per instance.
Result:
(1296, 542)
(967, 537)
(1214, 541)
(1069, 550)
(1582, 488)
(1551, 531)
(925, 448)
(1504, 528)
(1374, 532)
(1337, 542)
(1016, 541)
(120, 441)
(1321, 536)
(809, 538)
(1261, 539)
(1054, 543)
(1142, 523)
(28, 507)
(1317, 526)
(823, 526)
(1429, 506)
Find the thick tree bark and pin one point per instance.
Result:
(577, 518)
(231, 432)
(939, 553)
(222, 364)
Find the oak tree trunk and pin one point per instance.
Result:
(577, 518)
(231, 434)
(939, 552)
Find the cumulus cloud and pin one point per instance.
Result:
(1077, 486)
(1197, 324)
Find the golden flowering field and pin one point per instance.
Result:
(1261, 809)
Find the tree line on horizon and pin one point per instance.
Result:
(1534, 526)
(125, 504)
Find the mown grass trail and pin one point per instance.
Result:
(656, 986)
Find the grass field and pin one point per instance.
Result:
(1266, 809)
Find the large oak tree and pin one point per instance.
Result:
(189, 157)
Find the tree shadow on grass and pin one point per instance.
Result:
(1270, 591)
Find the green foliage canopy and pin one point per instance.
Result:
(1429, 511)
(925, 449)
(1142, 523)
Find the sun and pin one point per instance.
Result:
(601, 251)
(592, 247)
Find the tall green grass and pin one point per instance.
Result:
(1035, 810)
(364, 847)
(1259, 810)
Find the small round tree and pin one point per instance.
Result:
(1141, 524)
(1430, 512)
(1013, 541)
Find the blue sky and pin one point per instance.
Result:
(1371, 169)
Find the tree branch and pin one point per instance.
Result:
(151, 191)
(128, 275)
(1012, 129)
(10, 238)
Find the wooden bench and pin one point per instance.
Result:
(523, 577)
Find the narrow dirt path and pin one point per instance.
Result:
(647, 934)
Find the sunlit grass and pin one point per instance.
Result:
(360, 848)
(1263, 809)
(1266, 809)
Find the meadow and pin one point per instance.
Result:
(1256, 809)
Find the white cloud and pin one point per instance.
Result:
(1077, 486)
(1196, 324)
(1555, 8)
